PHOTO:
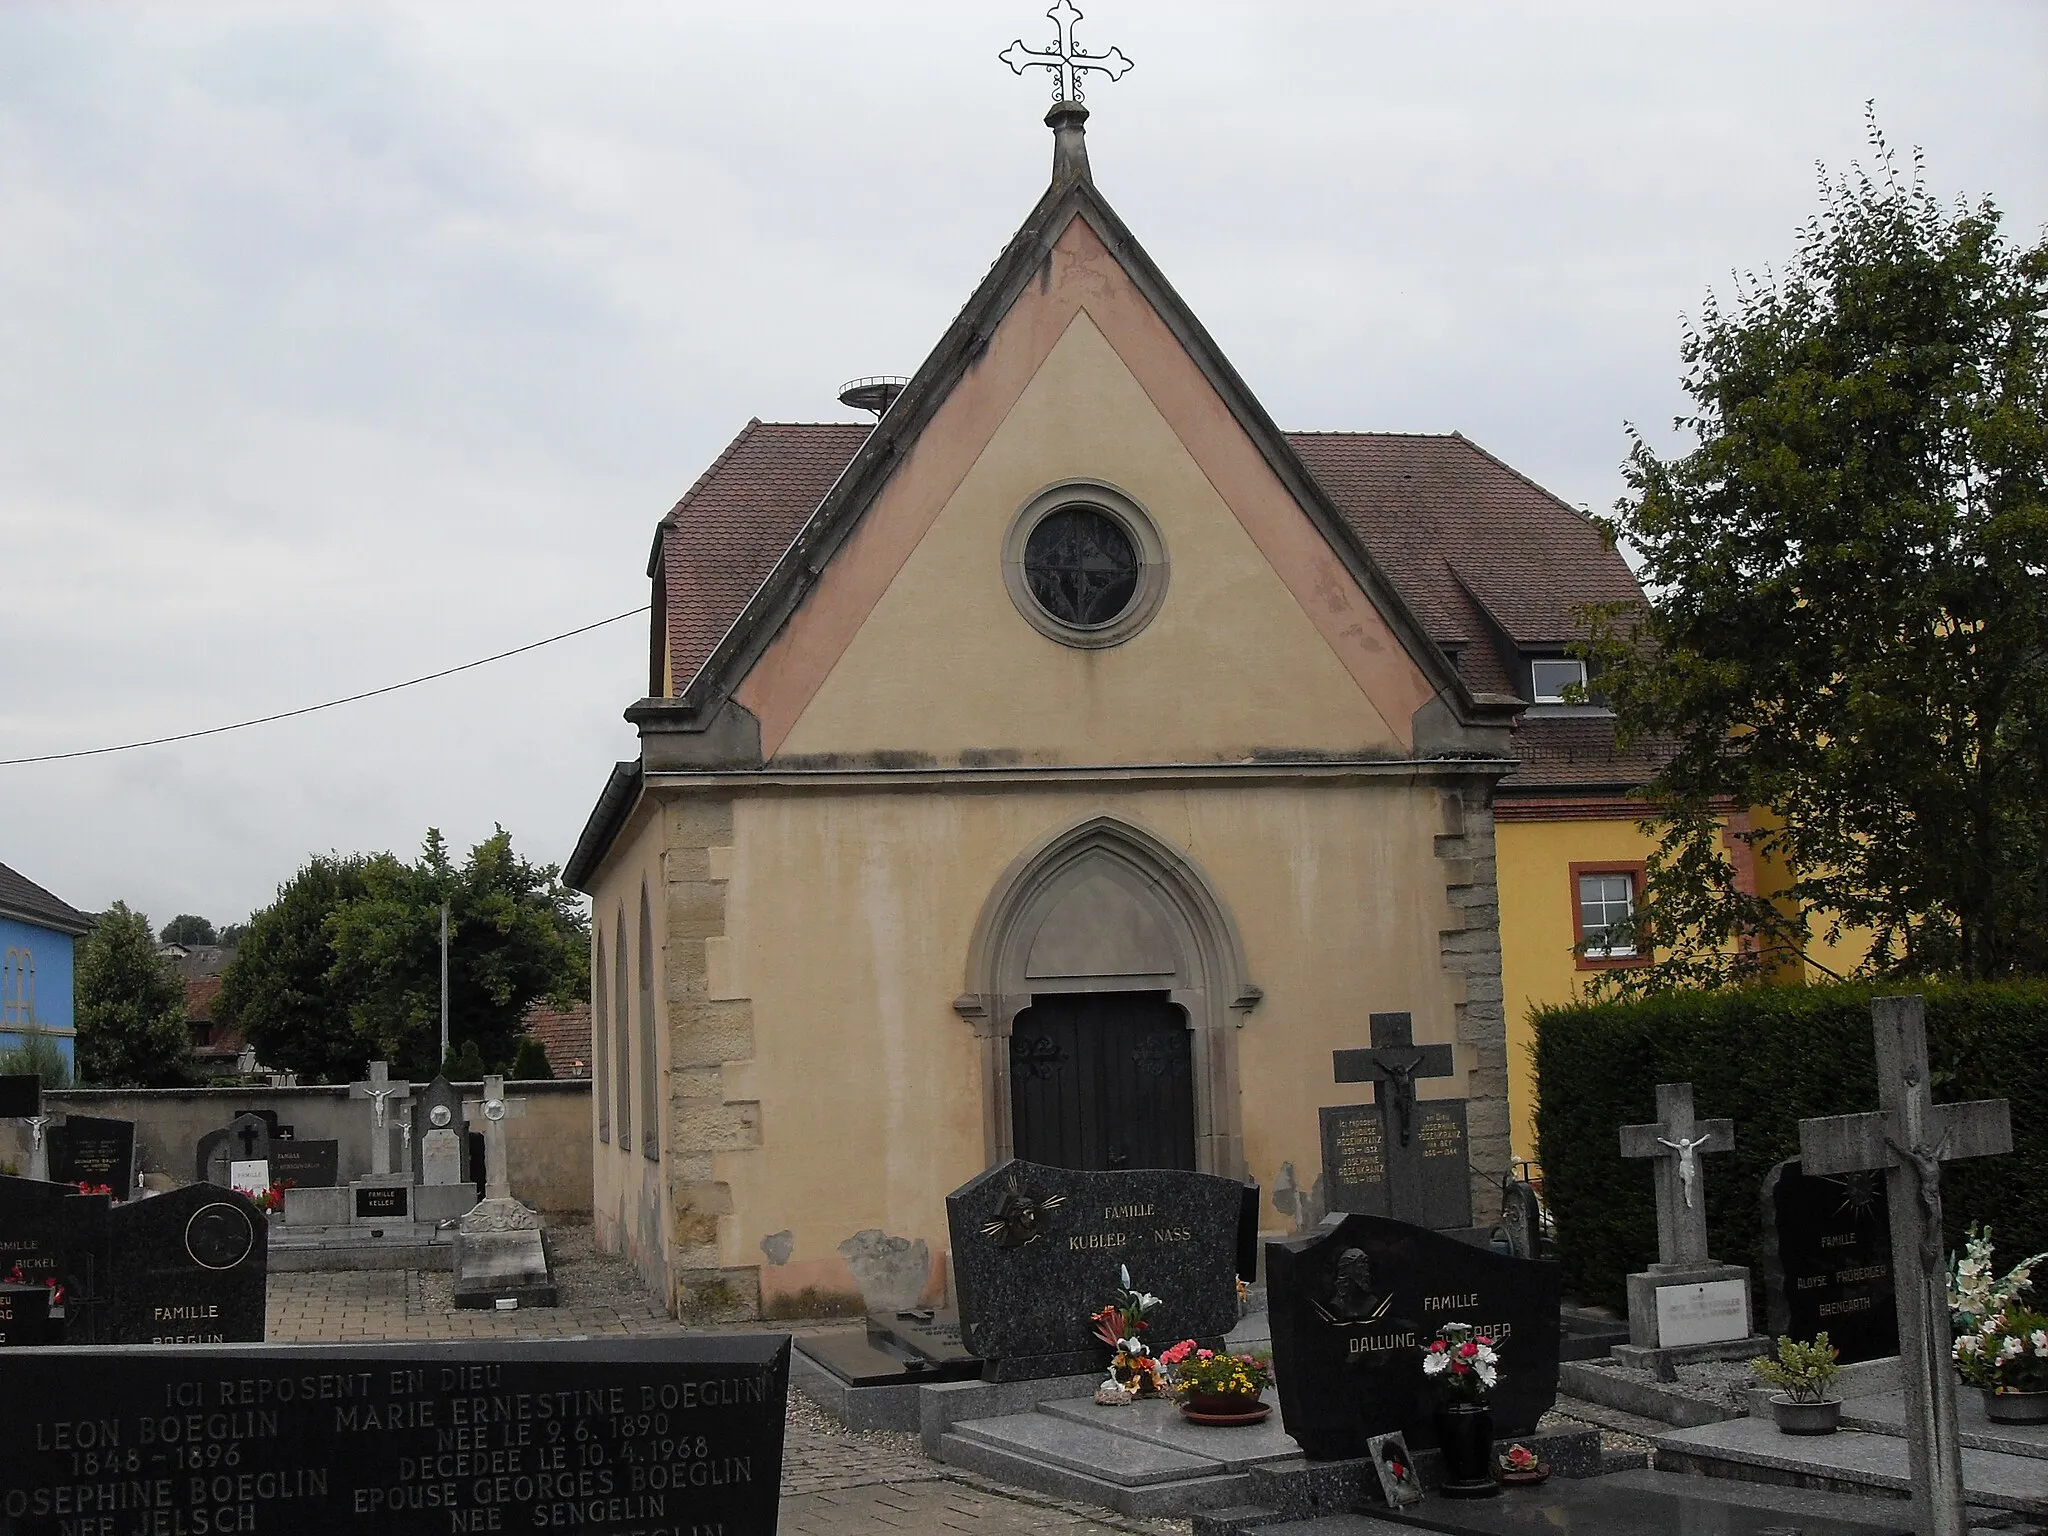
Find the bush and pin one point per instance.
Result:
(1767, 1058)
(37, 1056)
(530, 1062)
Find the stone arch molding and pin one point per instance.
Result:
(1106, 906)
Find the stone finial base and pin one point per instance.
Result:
(1643, 1329)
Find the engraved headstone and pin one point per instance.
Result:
(1827, 1260)
(24, 1315)
(646, 1434)
(1400, 1156)
(1710, 1302)
(86, 1149)
(440, 1152)
(51, 1235)
(190, 1267)
(309, 1164)
(1037, 1249)
(1354, 1307)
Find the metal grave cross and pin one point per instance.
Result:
(249, 1139)
(1677, 1141)
(1910, 1137)
(489, 1114)
(379, 1089)
(1391, 1065)
(1067, 62)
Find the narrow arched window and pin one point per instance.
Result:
(600, 1043)
(650, 1119)
(622, 1057)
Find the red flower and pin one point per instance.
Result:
(1467, 1350)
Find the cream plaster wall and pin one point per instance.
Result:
(1230, 662)
(850, 917)
(630, 1211)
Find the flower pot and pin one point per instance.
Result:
(1821, 1418)
(2016, 1407)
(1464, 1434)
(1224, 1408)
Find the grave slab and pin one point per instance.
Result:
(1159, 1422)
(1884, 1413)
(1087, 1448)
(500, 1254)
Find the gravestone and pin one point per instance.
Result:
(209, 1157)
(50, 1234)
(245, 1152)
(1909, 1138)
(1827, 1261)
(190, 1267)
(21, 1098)
(24, 1315)
(647, 1434)
(310, 1164)
(1354, 1306)
(1521, 1216)
(382, 1093)
(1037, 1249)
(500, 1252)
(1398, 1156)
(440, 1153)
(1685, 1300)
(88, 1150)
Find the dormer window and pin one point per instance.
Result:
(1550, 676)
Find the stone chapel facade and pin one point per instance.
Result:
(1062, 766)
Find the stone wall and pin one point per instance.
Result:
(1471, 952)
(548, 1147)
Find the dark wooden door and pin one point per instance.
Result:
(1102, 1080)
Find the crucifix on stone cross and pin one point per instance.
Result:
(489, 1114)
(1391, 1065)
(1677, 1141)
(1066, 61)
(379, 1089)
(1910, 1137)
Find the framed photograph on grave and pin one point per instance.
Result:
(1400, 1486)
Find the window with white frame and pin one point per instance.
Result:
(1549, 676)
(1606, 901)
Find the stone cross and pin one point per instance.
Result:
(489, 1114)
(377, 1090)
(1067, 62)
(1909, 1137)
(1392, 1065)
(1678, 1142)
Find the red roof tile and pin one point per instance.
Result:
(1562, 752)
(564, 1033)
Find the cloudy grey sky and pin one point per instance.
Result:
(341, 343)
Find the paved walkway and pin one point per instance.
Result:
(835, 1482)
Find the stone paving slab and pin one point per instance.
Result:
(1885, 1414)
(1160, 1423)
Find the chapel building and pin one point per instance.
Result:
(1062, 766)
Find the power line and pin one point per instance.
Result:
(242, 725)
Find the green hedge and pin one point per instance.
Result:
(1768, 1058)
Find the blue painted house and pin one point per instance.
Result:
(36, 934)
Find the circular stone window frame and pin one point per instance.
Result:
(1125, 509)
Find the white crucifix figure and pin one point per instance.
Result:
(489, 1114)
(1677, 1142)
(38, 1146)
(1910, 1137)
(379, 1090)
(1066, 61)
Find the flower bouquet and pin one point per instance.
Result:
(1463, 1363)
(1214, 1386)
(1465, 1366)
(1132, 1368)
(2001, 1343)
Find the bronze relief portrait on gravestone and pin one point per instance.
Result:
(1352, 1298)
(219, 1236)
(1017, 1217)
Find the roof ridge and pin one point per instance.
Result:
(1539, 488)
(1436, 437)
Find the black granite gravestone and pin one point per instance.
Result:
(189, 1268)
(1827, 1261)
(1036, 1251)
(209, 1155)
(52, 1233)
(305, 1164)
(1399, 1156)
(24, 1315)
(1354, 1306)
(88, 1150)
(614, 1435)
(21, 1095)
(383, 1202)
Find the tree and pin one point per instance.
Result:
(187, 929)
(345, 967)
(129, 1007)
(530, 1062)
(1848, 625)
(277, 990)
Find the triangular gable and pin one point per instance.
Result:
(1071, 223)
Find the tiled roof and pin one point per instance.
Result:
(1576, 753)
(564, 1033)
(723, 538)
(200, 991)
(1462, 537)
(23, 899)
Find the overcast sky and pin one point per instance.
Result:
(343, 343)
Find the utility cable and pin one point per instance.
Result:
(242, 725)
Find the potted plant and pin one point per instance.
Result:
(2001, 1344)
(1465, 1367)
(1215, 1388)
(1803, 1372)
(1132, 1366)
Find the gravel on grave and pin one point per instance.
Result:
(1723, 1383)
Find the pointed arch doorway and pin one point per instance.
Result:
(1106, 986)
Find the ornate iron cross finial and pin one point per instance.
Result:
(1066, 61)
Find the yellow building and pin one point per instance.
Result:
(1063, 766)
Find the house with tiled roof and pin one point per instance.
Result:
(1062, 766)
(37, 933)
